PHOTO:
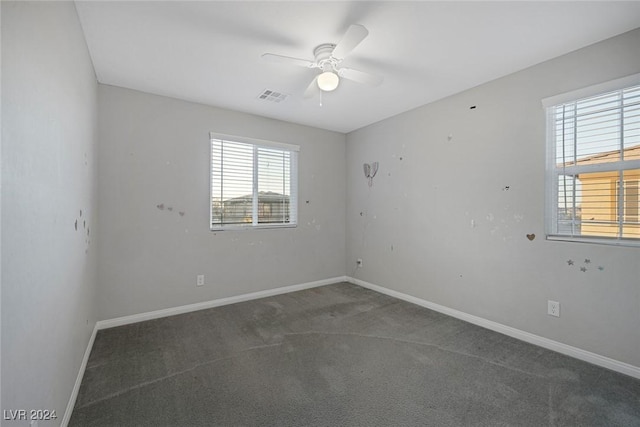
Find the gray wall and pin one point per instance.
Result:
(438, 223)
(155, 151)
(49, 106)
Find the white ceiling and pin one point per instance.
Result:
(209, 51)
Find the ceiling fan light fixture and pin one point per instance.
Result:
(328, 81)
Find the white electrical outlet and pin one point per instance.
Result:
(553, 308)
(200, 280)
(359, 263)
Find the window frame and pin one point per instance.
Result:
(552, 173)
(293, 178)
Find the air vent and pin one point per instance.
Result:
(273, 96)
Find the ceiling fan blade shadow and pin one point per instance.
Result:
(360, 76)
(312, 89)
(352, 38)
(280, 59)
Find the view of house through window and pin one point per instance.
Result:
(253, 184)
(595, 172)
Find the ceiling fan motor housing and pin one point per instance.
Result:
(323, 51)
(323, 57)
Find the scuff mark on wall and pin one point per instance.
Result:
(76, 224)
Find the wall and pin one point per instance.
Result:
(459, 189)
(154, 165)
(49, 134)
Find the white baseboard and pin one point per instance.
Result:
(559, 347)
(76, 386)
(578, 353)
(134, 318)
(110, 323)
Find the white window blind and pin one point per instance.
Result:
(594, 168)
(253, 183)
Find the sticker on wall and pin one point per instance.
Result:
(583, 268)
(161, 207)
(370, 170)
(531, 236)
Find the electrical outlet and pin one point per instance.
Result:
(200, 280)
(553, 308)
(359, 263)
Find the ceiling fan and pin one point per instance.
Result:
(328, 59)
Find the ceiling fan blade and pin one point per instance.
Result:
(360, 76)
(272, 57)
(352, 38)
(312, 89)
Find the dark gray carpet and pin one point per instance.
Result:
(339, 355)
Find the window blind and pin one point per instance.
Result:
(253, 183)
(595, 166)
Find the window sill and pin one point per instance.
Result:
(252, 227)
(635, 243)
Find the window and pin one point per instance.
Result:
(253, 183)
(593, 165)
